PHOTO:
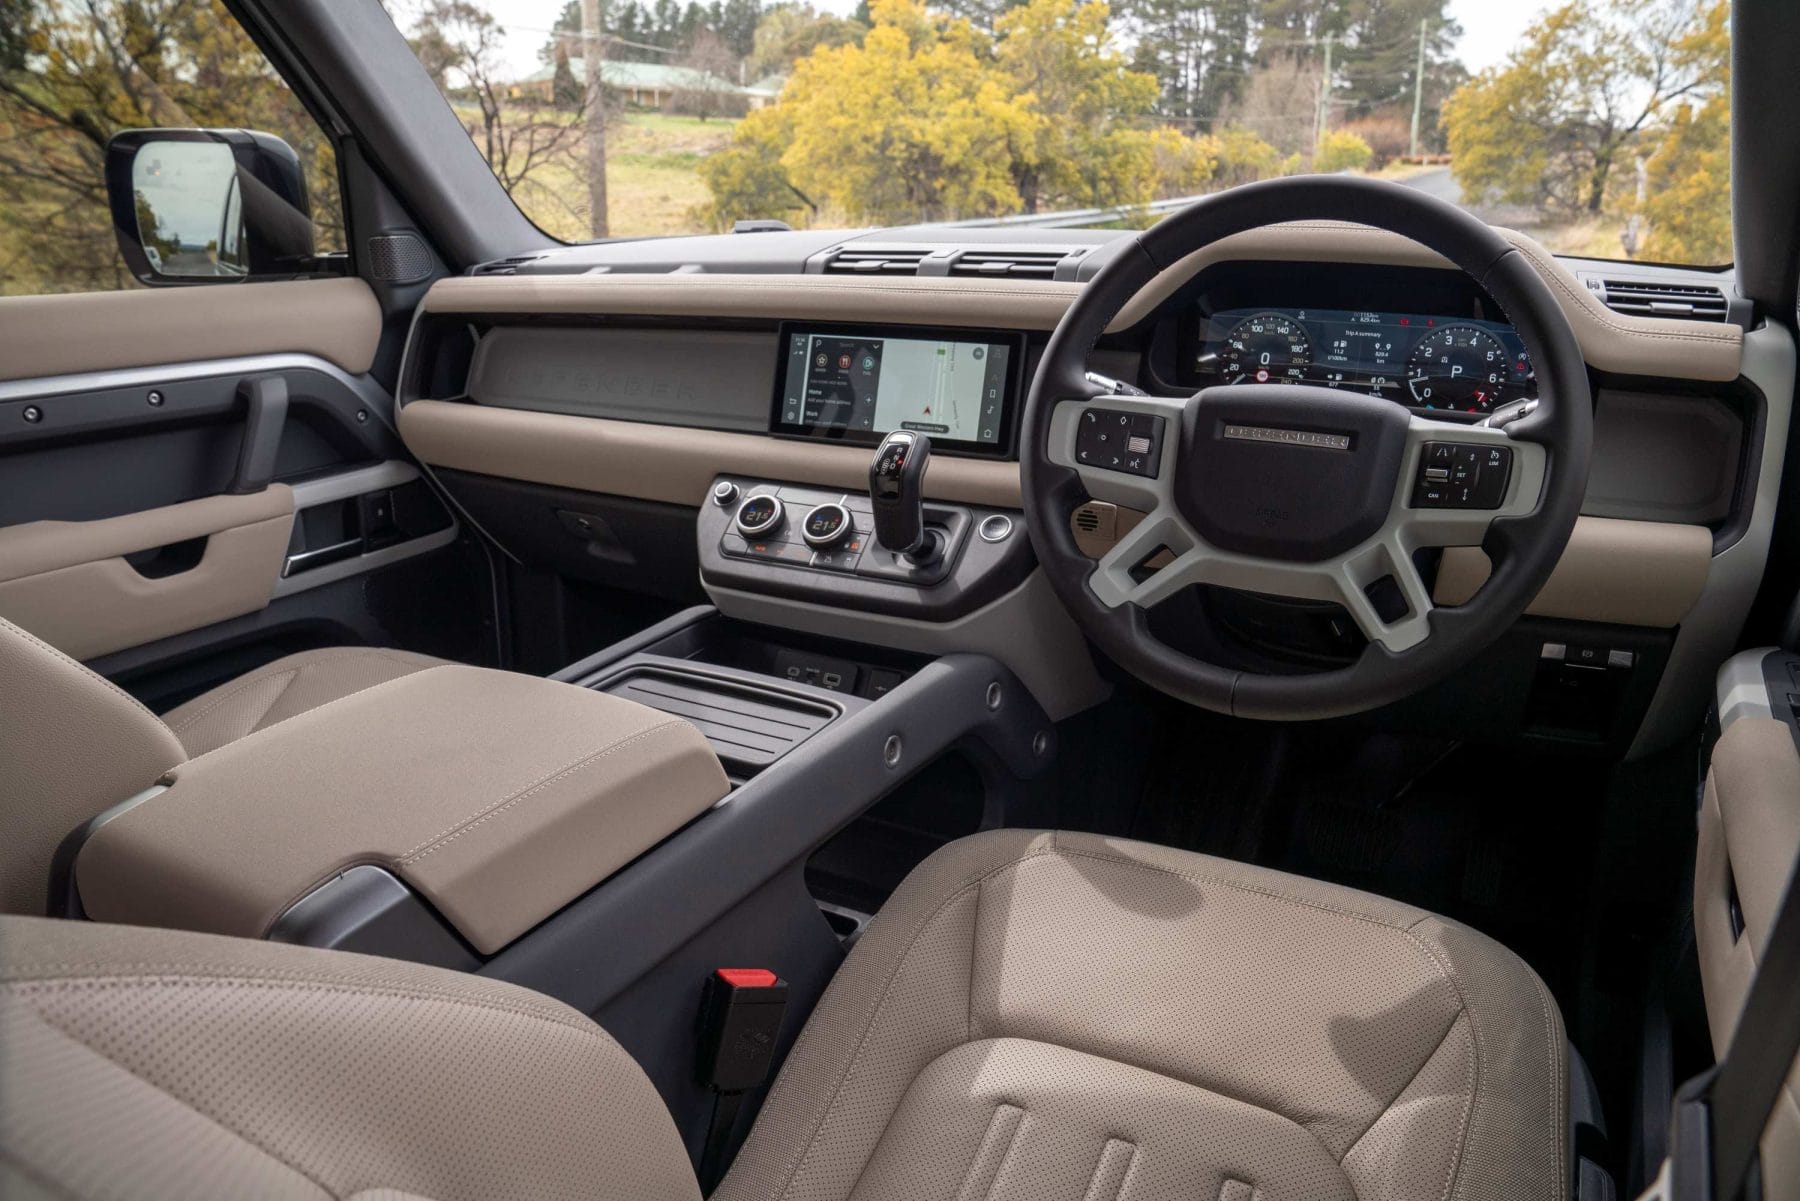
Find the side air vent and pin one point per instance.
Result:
(1012, 264)
(507, 266)
(1644, 298)
(876, 260)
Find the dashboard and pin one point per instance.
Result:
(1430, 340)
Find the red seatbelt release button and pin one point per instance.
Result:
(740, 1019)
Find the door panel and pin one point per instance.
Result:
(123, 539)
(337, 320)
(73, 585)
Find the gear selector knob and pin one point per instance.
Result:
(897, 492)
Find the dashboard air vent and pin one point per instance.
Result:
(1648, 298)
(506, 266)
(1010, 263)
(876, 260)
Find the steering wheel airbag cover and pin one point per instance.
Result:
(1286, 471)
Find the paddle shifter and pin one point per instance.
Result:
(897, 494)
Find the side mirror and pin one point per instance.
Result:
(192, 206)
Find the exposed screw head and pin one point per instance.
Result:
(993, 695)
(362, 415)
(890, 750)
(33, 414)
(155, 398)
(1040, 743)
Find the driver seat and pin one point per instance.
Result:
(1032, 1017)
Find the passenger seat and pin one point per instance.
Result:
(75, 744)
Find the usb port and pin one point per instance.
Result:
(832, 680)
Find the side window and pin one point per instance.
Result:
(72, 76)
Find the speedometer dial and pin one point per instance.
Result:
(1459, 367)
(1265, 348)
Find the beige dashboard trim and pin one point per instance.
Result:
(975, 302)
(337, 320)
(674, 464)
(1634, 573)
(1609, 341)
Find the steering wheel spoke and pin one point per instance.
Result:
(1455, 480)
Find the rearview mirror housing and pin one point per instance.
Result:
(209, 206)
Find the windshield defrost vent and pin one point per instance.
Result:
(874, 260)
(1010, 264)
(506, 266)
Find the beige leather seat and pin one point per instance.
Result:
(73, 743)
(1748, 841)
(1033, 1017)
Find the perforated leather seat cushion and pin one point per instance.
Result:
(1055, 1016)
(283, 689)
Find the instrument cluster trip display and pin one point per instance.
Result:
(859, 385)
(1428, 362)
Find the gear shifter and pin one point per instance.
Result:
(897, 494)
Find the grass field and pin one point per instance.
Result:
(651, 181)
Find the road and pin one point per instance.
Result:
(1436, 182)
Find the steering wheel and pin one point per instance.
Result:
(1303, 492)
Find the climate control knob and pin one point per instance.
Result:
(827, 525)
(759, 516)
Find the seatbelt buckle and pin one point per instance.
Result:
(740, 1018)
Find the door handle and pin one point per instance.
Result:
(266, 401)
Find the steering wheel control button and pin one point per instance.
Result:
(724, 492)
(1456, 475)
(827, 525)
(1118, 441)
(995, 527)
(758, 517)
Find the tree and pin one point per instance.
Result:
(1280, 102)
(1548, 127)
(1688, 207)
(789, 32)
(565, 89)
(72, 76)
(1341, 150)
(516, 138)
(1083, 150)
(708, 91)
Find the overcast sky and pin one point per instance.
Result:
(1489, 29)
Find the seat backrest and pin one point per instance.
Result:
(71, 744)
(1749, 840)
(165, 1064)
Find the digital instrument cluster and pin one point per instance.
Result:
(1457, 364)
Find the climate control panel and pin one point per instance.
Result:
(819, 544)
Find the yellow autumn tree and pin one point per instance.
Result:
(1090, 147)
(1589, 82)
(1687, 202)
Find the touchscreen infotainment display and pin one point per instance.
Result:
(859, 385)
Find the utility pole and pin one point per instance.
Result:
(594, 115)
(1418, 90)
(1323, 120)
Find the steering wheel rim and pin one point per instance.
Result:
(1523, 538)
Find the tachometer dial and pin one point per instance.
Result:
(1458, 367)
(1265, 348)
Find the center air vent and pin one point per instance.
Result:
(1010, 263)
(1650, 298)
(876, 260)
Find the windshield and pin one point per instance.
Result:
(1600, 127)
